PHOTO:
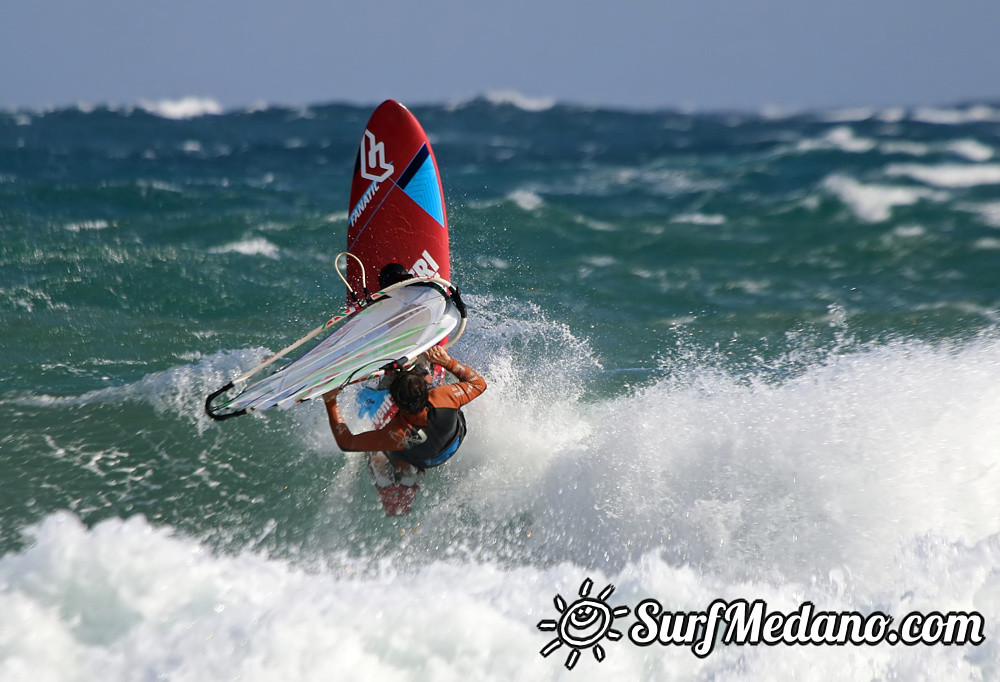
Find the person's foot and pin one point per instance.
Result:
(382, 470)
(408, 475)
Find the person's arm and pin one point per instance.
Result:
(470, 384)
(389, 437)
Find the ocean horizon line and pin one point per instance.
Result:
(195, 106)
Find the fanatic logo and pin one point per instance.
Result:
(583, 624)
(373, 164)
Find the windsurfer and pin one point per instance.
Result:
(427, 430)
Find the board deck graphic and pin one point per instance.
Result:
(397, 210)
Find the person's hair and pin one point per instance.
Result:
(391, 274)
(409, 391)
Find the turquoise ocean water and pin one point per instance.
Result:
(730, 355)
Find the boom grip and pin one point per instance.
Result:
(456, 296)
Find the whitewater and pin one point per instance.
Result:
(729, 357)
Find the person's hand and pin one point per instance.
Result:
(437, 355)
(331, 396)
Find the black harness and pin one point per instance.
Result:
(436, 442)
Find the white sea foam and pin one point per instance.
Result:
(126, 597)
(907, 231)
(904, 147)
(941, 116)
(526, 199)
(524, 102)
(257, 107)
(597, 225)
(88, 225)
(874, 203)
(892, 115)
(973, 150)
(855, 457)
(780, 442)
(866, 481)
(601, 261)
(186, 107)
(949, 175)
(841, 137)
(611, 180)
(987, 244)
(989, 212)
(777, 113)
(254, 246)
(160, 186)
(30, 299)
(700, 219)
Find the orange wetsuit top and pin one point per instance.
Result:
(397, 434)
